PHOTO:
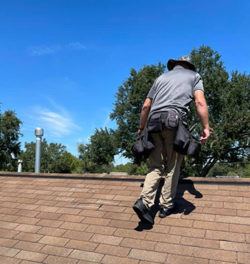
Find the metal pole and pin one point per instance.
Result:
(39, 134)
(20, 167)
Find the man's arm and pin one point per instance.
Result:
(202, 111)
(144, 113)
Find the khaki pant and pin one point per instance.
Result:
(163, 161)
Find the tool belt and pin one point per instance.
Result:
(184, 142)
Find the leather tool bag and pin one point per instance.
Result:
(142, 147)
(185, 143)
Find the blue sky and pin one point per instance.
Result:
(63, 61)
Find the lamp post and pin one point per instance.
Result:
(39, 135)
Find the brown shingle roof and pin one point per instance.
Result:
(67, 220)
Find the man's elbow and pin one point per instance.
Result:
(147, 105)
(146, 108)
(200, 103)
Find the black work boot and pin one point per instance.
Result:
(143, 212)
(165, 211)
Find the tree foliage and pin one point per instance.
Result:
(228, 97)
(9, 140)
(99, 154)
(54, 158)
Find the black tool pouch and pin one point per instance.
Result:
(185, 143)
(155, 123)
(182, 139)
(170, 119)
(142, 147)
(194, 147)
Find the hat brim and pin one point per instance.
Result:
(172, 63)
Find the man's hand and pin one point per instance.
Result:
(202, 111)
(205, 134)
(139, 131)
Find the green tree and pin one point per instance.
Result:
(228, 99)
(9, 140)
(131, 168)
(85, 157)
(68, 163)
(99, 154)
(54, 158)
(129, 100)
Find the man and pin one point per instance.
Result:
(174, 91)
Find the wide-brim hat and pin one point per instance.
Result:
(182, 60)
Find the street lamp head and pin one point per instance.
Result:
(38, 132)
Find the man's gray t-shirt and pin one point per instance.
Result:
(175, 89)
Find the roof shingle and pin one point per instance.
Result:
(89, 219)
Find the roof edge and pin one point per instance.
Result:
(112, 177)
